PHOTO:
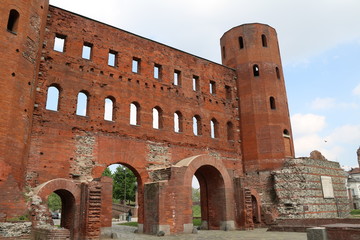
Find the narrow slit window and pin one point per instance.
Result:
(136, 65)
(272, 103)
(112, 58)
(230, 131)
(59, 43)
(195, 83)
(82, 104)
(87, 51)
(241, 42)
(277, 72)
(178, 122)
(157, 71)
(228, 92)
(286, 133)
(256, 70)
(214, 128)
(109, 109)
(223, 52)
(197, 125)
(177, 78)
(157, 118)
(212, 87)
(134, 113)
(52, 101)
(13, 21)
(264, 40)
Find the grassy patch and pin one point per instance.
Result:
(196, 222)
(355, 212)
(131, 224)
(196, 211)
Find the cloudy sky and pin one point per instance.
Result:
(319, 43)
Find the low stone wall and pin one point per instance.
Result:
(50, 233)
(14, 229)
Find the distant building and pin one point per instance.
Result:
(353, 184)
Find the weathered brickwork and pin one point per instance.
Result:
(240, 150)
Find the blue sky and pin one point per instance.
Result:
(319, 44)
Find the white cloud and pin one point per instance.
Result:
(323, 103)
(356, 90)
(345, 134)
(304, 124)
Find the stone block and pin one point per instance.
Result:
(316, 233)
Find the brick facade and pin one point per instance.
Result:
(243, 128)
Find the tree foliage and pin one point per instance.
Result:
(124, 182)
(54, 202)
(107, 172)
(196, 194)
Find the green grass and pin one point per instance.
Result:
(355, 212)
(131, 224)
(196, 211)
(197, 222)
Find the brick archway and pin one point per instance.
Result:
(216, 190)
(69, 192)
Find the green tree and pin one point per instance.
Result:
(124, 181)
(196, 194)
(54, 202)
(107, 172)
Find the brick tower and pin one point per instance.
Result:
(252, 49)
(22, 27)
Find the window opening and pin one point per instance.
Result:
(286, 133)
(59, 43)
(272, 103)
(177, 78)
(157, 71)
(13, 21)
(52, 101)
(212, 87)
(197, 125)
(264, 40)
(223, 52)
(195, 84)
(230, 131)
(214, 131)
(87, 49)
(277, 72)
(134, 113)
(136, 65)
(228, 92)
(178, 122)
(157, 118)
(241, 42)
(256, 70)
(112, 58)
(109, 109)
(82, 104)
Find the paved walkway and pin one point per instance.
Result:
(125, 232)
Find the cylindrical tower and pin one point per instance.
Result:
(22, 27)
(253, 51)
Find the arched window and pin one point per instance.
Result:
(272, 103)
(223, 52)
(157, 118)
(241, 42)
(256, 70)
(13, 21)
(230, 131)
(264, 40)
(286, 133)
(109, 112)
(197, 125)
(277, 72)
(82, 104)
(52, 100)
(214, 128)
(178, 119)
(134, 113)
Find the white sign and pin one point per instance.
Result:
(327, 187)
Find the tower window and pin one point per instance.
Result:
(109, 109)
(230, 131)
(214, 128)
(134, 113)
(112, 58)
(13, 21)
(157, 71)
(157, 118)
(59, 43)
(87, 50)
(256, 70)
(277, 72)
(223, 52)
(177, 78)
(264, 40)
(212, 87)
(178, 119)
(286, 133)
(241, 42)
(197, 125)
(272, 103)
(136, 65)
(82, 104)
(195, 83)
(52, 100)
(228, 92)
